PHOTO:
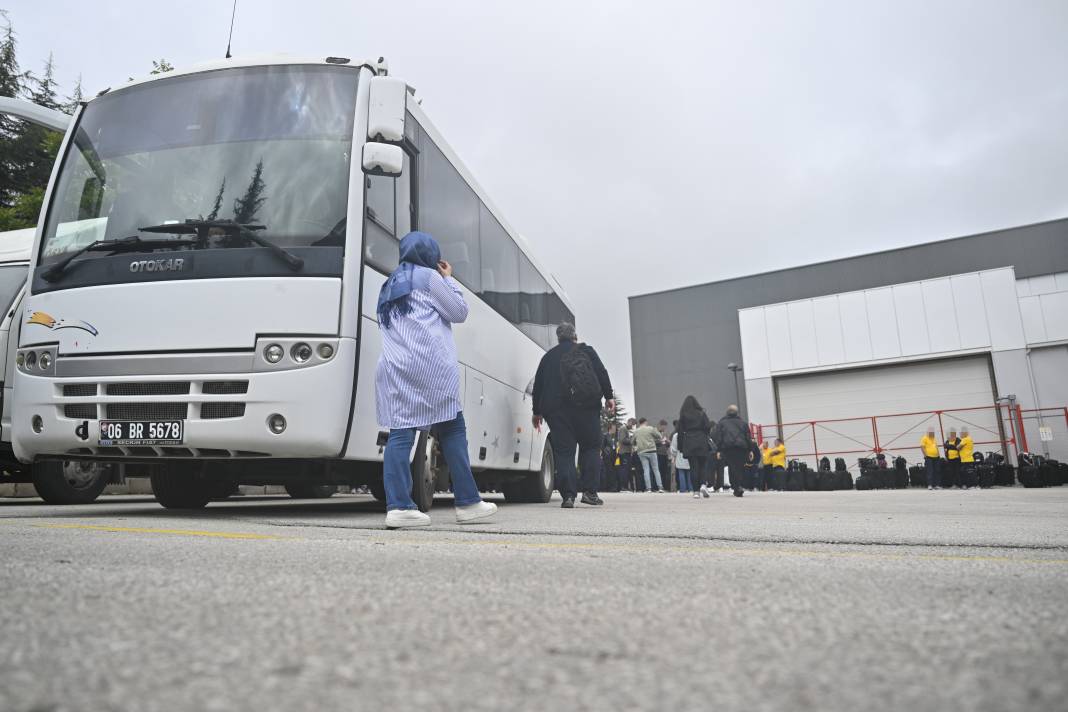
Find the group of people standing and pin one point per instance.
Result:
(959, 459)
(690, 459)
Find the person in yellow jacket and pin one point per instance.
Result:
(777, 458)
(968, 479)
(764, 473)
(929, 446)
(952, 448)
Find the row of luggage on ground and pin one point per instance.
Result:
(989, 470)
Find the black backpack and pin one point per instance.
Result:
(581, 386)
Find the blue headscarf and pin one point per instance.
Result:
(417, 248)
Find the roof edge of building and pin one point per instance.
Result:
(844, 258)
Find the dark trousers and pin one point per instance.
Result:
(569, 428)
(665, 471)
(699, 470)
(716, 474)
(952, 478)
(735, 459)
(934, 472)
(758, 478)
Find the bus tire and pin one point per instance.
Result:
(304, 490)
(378, 489)
(70, 482)
(423, 486)
(538, 487)
(181, 488)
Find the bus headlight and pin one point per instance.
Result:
(326, 352)
(273, 353)
(301, 352)
(20, 359)
(31, 359)
(45, 361)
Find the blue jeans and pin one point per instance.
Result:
(934, 475)
(649, 461)
(684, 479)
(397, 469)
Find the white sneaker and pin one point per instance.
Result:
(475, 513)
(930, 487)
(406, 518)
(697, 495)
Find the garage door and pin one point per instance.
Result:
(859, 394)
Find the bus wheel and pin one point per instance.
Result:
(423, 474)
(181, 488)
(537, 487)
(306, 491)
(378, 489)
(70, 482)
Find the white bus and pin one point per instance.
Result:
(56, 482)
(204, 282)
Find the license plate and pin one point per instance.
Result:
(141, 432)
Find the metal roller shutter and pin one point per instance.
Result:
(888, 392)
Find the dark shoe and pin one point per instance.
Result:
(591, 499)
(568, 503)
(739, 493)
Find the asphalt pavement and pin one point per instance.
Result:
(777, 601)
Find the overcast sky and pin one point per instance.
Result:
(642, 146)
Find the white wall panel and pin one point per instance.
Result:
(802, 334)
(971, 311)
(1061, 278)
(882, 323)
(1055, 315)
(1043, 284)
(754, 337)
(912, 325)
(855, 332)
(1002, 310)
(1033, 324)
(777, 321)
(829, 347)
(941, 315)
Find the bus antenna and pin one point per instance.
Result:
(231, 36)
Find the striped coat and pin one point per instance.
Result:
(417, 383)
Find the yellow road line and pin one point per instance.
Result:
(176, 532)
(700, 548)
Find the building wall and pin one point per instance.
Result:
(930, 319)
(682, 340)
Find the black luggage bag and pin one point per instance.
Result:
(968, 475)
(844, 480)
(811, 480)
(917, 476)
(865, 482)
(1004, 475)
(987, 476)
(1031, 476)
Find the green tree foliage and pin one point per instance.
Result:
(619, 416)
(28, 152)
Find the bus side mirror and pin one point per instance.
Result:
(383, 159)
(386, 109)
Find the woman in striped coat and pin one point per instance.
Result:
(417, 383)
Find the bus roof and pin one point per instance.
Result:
(16, 245)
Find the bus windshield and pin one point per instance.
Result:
(265, 146)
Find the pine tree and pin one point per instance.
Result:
(76, 97)
(246, 207)
(35, 149)
(619, 416)
(214, 214)
(11, 83)
(42, 90)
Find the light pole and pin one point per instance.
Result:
(735, 368)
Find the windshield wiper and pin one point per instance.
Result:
(115, 246)
(202, 229)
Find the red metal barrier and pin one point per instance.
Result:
(991, 427)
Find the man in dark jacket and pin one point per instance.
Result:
(567, 394)
(735, 445)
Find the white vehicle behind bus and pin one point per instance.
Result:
(57, 482)
(205, 274)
